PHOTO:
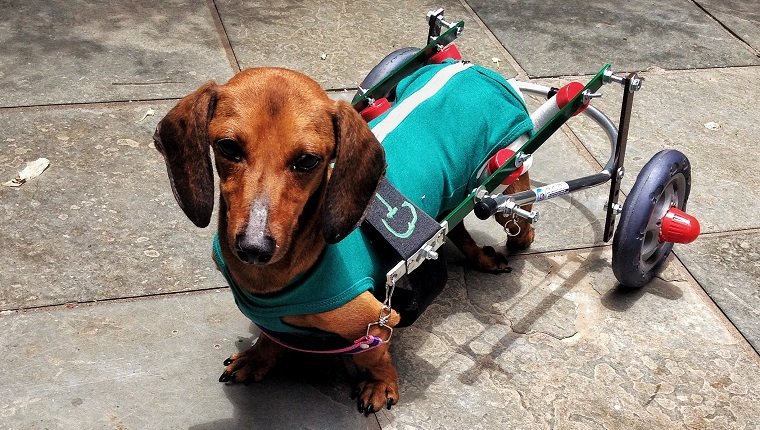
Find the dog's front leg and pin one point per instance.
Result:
(485, 258)
(253, 364)
(521, 235)
(379, 387)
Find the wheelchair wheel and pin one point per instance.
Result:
(637, 252)
(385, 68)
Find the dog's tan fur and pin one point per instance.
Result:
(274, 116)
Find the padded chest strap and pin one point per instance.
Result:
(410, 232)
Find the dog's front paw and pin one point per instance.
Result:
(490, 260)
(251, 365)
(376, 395)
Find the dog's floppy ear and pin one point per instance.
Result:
(182, 138)
(359, 165)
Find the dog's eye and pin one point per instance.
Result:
(229, 149)
(306, 162)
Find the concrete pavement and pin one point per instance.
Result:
(113, 316)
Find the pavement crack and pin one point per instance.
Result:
(522, 402)
(656, 390)
(593, 287)
(728, 29)
(146, 83)
(93, 302)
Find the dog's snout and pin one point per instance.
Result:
(255, 245)
(255, 249)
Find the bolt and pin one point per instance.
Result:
(611, 77)
(587, 96)
(428, 253)
(635, 84)
(433, 13)
(520, 158)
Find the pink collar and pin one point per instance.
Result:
(363, 344)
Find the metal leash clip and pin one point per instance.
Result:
(385, 311)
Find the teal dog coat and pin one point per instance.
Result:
(448, 120)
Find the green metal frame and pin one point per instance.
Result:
(409, 67)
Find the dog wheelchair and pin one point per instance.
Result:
(652, 219)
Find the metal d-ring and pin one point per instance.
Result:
(512, 220)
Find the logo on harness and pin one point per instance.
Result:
(392, 211)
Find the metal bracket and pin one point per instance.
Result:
(512, 208)
(436, 21)
(631, 84)
(395, 273)
(634, 83)
(520, 158)
(488, 205)
(588, 96)
(428, 251)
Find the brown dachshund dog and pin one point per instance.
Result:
(274, 133)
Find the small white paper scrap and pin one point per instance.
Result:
(30, 171)
(149, 112)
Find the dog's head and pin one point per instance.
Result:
(288, 159)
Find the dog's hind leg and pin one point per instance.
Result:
(521, 232)
(520, 237)
(253, 364)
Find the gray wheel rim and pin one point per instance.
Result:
(673, 194)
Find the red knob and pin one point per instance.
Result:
(379, 107)
(449, 52)
(498, 160)
(678, 227)
(567, 93)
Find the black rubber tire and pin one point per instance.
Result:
(637, 254)
(384, 68)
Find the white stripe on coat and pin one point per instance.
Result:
(383, 128)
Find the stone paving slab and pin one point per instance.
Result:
(353, 35)
(711, 117)
(154, 364)
(727, 267)
(740, 16)
(62, 52)
(552, 345)
(575, 37)
(555, 345)
(101, 222)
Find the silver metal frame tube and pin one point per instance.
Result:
(595, 114)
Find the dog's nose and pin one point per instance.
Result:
(257, 249)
